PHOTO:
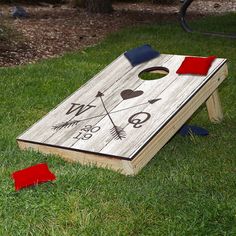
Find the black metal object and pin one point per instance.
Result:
(187, 28)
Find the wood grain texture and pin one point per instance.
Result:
(116, 117)
(214, 108)
(184, 113)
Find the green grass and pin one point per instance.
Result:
(189, 188)
(156, 73)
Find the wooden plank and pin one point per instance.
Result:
(214, 108)
(83, 158)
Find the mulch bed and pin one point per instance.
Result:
(51, 30)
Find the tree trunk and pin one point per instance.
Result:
(75, 3)
(98, 6)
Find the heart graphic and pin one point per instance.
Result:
(129, 93)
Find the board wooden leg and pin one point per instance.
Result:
(214, 107)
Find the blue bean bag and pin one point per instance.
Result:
(141, 54)
(192, 129)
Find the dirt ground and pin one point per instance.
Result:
(50, 30)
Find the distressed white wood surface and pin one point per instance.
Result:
(138, 119)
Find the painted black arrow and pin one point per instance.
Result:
(71, 123)
(116, 131)
(99, 94)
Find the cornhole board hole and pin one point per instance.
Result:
(119, 121)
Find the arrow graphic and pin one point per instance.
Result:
(72, 123)
(117, 132)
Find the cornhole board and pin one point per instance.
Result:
(119, 121)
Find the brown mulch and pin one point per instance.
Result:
(51, 31)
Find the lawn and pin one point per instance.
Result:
(189, 187)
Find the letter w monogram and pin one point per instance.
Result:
(79, 108)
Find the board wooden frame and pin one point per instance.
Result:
(206, 93)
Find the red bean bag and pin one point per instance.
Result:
(196, 65)
(32, 175)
